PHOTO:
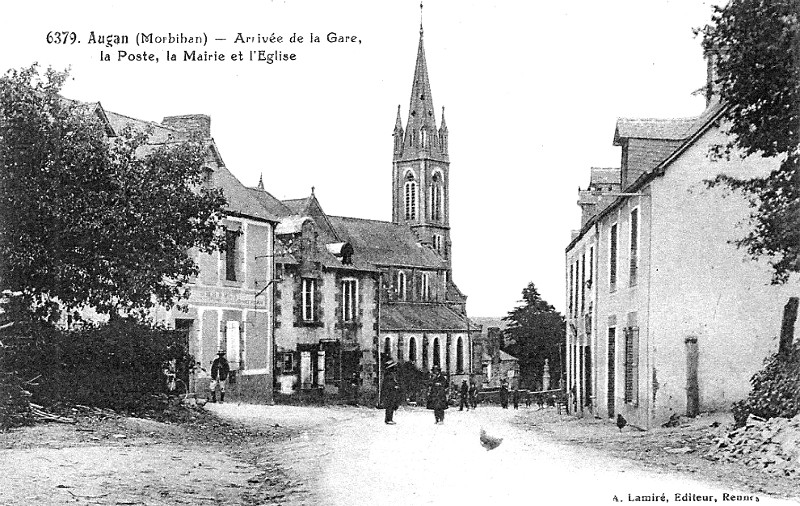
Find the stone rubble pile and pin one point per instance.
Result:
(772, 445)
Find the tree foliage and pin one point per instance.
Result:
(756, 44)
(93, 219)
(536, 332)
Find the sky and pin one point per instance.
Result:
(532, 92)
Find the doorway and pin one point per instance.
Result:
(612, 350)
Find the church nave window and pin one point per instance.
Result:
(401, 285)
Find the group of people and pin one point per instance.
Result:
(437, 398)
(468, 396)
(516, 395)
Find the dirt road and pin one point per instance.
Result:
(356, 459)
(269, 455)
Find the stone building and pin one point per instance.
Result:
(228, 308)
(351, 289)
(664, 314)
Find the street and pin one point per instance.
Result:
(350, 457)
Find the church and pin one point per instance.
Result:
(350, 293)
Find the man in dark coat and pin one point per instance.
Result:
(355, 382)
(473, 395)
(464, 396)
(390, 392)
(515, 397)
(219, 376)
(437, 394)
(504, 394)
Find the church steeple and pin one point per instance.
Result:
(421, 169)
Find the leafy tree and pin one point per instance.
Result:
(757, 48)
(89, 219)
(536, 332)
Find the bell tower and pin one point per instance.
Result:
(421, 166)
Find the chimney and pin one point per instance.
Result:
(191, 123)
(712, 76)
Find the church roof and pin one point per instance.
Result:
(386, 244)
(407, 316)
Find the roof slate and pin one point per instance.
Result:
(273, 205)
(385, 243)
(408, 316)
(159, 134)
(604, 176)
(653, 128)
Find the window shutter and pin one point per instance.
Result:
(232, 339)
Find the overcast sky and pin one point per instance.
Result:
(532, 92)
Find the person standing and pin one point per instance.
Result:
(355, 382)
(504, 394)
(473, 395)
(390, 392)
(464, 396)
(219, 376)
(437, 394)
(515, 397)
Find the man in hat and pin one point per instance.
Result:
(219, 376)
(390, 393)
(464, 396)
(437, 394)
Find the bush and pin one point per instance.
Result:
(776, 389)
(119, 365)
(15, 409)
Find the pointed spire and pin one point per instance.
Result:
(420, 111)
(444, 123)
(261, 181)
(420, 19)
(398, 124)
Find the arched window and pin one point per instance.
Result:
(436, 358)
(423, 137)
(437, 197)
(459, 356)
(400, 348)
(412, 350)
(424, 352)
(411, 197)
(447, 354)
(401, 285)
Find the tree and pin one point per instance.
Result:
(93, 220)
(536, 332)
(756, 44)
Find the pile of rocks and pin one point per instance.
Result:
(772, 445)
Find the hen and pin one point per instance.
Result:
(489, 442)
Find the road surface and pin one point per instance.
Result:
(346, 456)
